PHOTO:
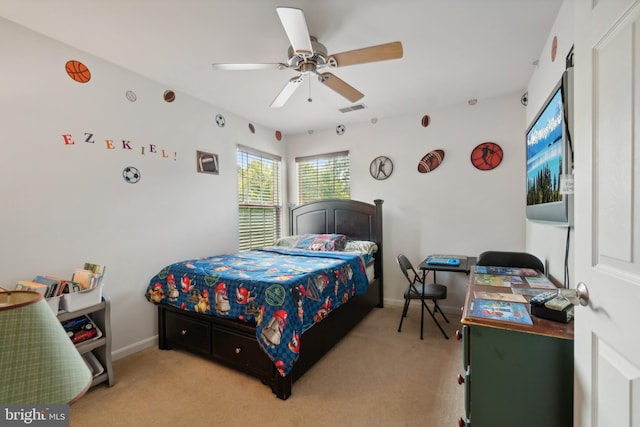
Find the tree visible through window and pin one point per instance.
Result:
(326, 176)
(259, 204)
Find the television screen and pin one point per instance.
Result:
(548, 160)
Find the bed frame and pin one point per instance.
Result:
(234, 343)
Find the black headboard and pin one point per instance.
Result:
(358, 220)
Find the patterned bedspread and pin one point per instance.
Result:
(284, 291)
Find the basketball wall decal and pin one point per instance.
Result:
(78, 71)
(486, 156)
(431, 161)
(278, 135)
(169, 96)
(425, 120)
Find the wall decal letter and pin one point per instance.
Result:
(109, 144)
(142, 151)
(164, 154)
(125, 145)
(68, 140)
(152, 148)
(88, 137)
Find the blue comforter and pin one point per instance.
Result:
(284, 291)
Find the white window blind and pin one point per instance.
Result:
(325, 176)
(259, 205)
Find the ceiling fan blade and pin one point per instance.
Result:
(381, 52)
(249, 67)
(287, 91)
(295, 25)
(340, 86)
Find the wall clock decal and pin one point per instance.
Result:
(78, 71)
(381, 168)
(431, 161)
(131, 174)
(486, 156)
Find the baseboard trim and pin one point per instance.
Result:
(134, 348)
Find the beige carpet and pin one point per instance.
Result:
(374, 377)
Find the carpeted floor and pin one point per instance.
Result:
(373, 377)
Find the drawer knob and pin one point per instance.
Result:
(461, 422)
(183, 332)
(458, 335)
(238, 350)
(460, 379)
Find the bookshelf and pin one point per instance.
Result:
(101, 347)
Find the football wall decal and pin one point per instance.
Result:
(431, 161)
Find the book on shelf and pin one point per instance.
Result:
(497, 280)
(500, 296)
(28, 285)
(504, 311)
(506, 271)
(53, 283)
(86, 278)
(95, 268)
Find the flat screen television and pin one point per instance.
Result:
(550, 157)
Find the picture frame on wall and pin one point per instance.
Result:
(207, 162)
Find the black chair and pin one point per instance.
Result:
(510, 259)
(418, 289)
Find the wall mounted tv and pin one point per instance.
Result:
(550, 157)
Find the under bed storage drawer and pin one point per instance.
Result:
(240, 350)
(189, 333)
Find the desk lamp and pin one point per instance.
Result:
(38, 362)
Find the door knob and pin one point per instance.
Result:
(580, 293)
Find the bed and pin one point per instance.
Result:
(273, 312)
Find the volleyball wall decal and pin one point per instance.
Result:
(431, 161)
(486, 156)
(78, 71)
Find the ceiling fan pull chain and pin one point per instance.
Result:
(309, 99)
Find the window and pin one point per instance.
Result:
(259, 206)
(326, 176)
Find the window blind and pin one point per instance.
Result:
(259, 205)
(326, 176)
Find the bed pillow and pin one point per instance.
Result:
(363, 246)
(287, 241)
(322, 242)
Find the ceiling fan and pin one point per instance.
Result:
(308, 56)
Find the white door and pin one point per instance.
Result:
(607, 212)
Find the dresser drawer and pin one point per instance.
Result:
(239, 350)
(188, 333)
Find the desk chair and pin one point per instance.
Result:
(510, 259)
(418, 289)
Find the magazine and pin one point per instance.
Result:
(500, 310)
(500, 296)
(497, 280)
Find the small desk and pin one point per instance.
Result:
(464, 267)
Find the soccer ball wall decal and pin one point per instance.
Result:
(340, 129)
(131, 174)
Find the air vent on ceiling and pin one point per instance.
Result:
(353, 108)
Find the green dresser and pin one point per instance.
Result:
(516, 375)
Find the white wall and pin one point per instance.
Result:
(546, 241)
(63, 205)
(455, 209)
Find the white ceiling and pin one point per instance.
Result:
(454, 50)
